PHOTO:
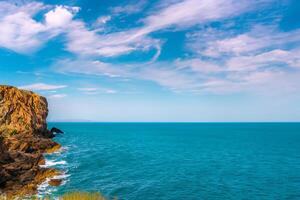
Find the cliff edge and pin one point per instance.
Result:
(24, 138)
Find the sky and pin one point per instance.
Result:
(155, 61)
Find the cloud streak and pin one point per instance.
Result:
(256, 40)
(95, 91)
(57, 96)
(42, 86)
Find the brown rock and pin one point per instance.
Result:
(53, 149)
(22, 112)
(55, 182)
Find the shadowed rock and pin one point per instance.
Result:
(56, 130)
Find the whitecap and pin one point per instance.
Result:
(45, 189)
(51, 163)
(59, 151)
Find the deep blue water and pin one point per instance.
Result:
(153, 161)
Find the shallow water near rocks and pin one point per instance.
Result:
(151, 161)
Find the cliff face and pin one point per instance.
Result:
(23, 140)
(22, 111)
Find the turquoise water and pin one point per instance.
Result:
(153, 161)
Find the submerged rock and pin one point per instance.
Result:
(24, 138)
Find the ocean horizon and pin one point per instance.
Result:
(178, 160)
(179, 122)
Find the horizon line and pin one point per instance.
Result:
(173, 121)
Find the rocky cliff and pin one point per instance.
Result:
(23, 140)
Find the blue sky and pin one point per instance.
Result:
(170, 60)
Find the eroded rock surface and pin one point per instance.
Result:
(24, 138)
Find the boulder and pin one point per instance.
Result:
(55, 182)
(56, 130)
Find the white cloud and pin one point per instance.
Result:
(94, 90)
(110, 51)
(238, 74)
(88, 89)
(191, 12)
(266, 59)
(9, 7)
(89, 43)
(57, 96)
(198, 65)
(103, 19)
(237, 45)
(262, 59)
(129, 8)
(42, 86)
(21, 33)
(254, 41)
(90, 67)
(60, 16)
(170, 78)
(85, 42)
(110, 91)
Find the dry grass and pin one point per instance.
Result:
(82, 196)
(67, 196)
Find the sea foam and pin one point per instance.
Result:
(51, 163)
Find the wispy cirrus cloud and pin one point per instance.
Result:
(57, 96)
(263, 81)
(129, 8)
(12, 7)
(85, 42)
(96, 90)
(42, 86)
(89, 89)
(199, 65)
(271, 59)
(193, 12)
(217, 43)
(90, 43)
(103, 20)
(90, 67)
(238, 74)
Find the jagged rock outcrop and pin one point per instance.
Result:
(56, 130)
(23, 140)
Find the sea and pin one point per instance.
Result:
(174, 161)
